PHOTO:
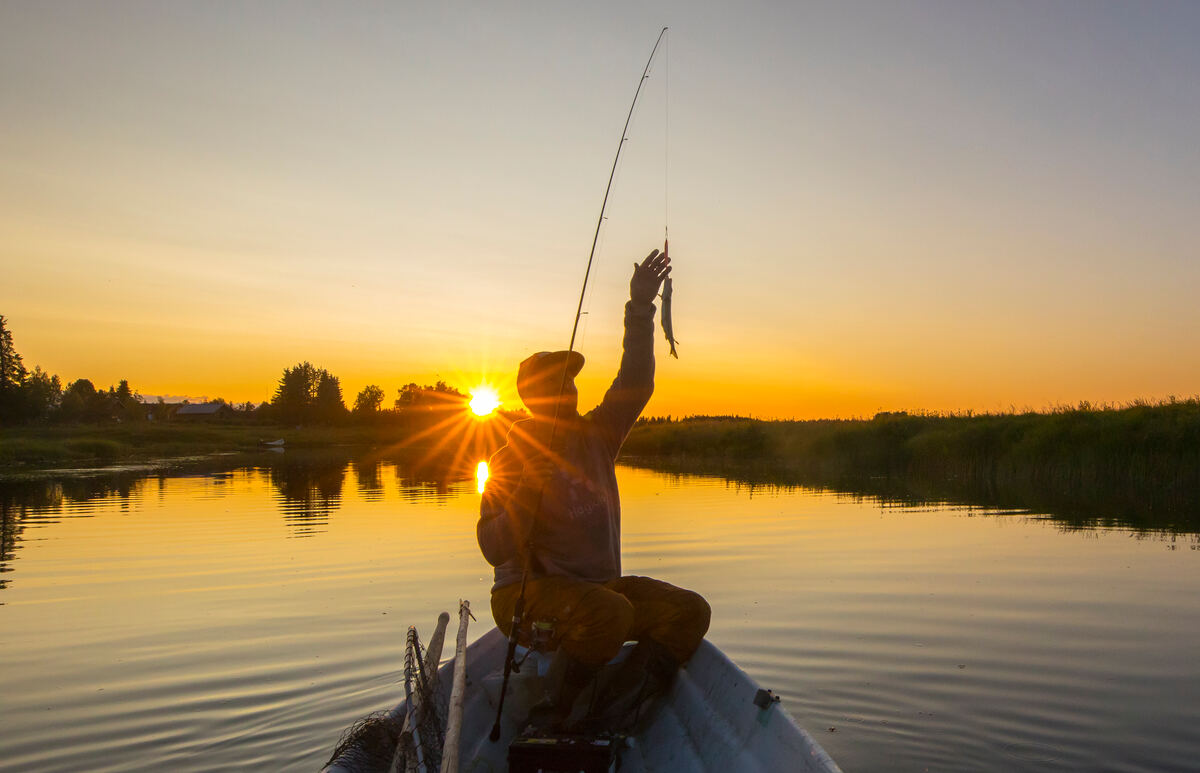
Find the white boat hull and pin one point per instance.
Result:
(708, 721)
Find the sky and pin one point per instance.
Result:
(872, 206)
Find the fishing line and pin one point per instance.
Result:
(666, 140)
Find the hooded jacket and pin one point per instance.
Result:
(577, 528)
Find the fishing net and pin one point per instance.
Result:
(412, 736)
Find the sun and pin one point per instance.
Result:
(484, 400)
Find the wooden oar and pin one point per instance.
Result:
(416, 706)
(457, 693)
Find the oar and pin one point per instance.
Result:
(457, 693)
(416, 706)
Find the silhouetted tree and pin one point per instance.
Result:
(406, 396)
(127, 404)
(81, 402)
(369, 400)
(296, 393)
(415, 396)
(42, 395)
(307, 393)
(12, 377)
(329, 404)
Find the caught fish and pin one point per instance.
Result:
(666, 316)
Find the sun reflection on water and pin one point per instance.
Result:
(481, 476)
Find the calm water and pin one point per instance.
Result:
(244, 617)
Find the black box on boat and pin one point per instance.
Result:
(562, 754)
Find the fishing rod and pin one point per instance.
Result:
(519, 609)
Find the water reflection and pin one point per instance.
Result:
(168, 618)
(11, 527)
(369, 478)
(309, 484)
(31, 503)
(309, 488)
(1146, 512)
(481, 477)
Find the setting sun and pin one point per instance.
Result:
(484, 400)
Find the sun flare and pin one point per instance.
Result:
(484, 400)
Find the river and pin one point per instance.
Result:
(231, 618)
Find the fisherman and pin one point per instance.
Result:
(554, 486)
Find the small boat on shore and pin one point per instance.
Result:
(714, 718)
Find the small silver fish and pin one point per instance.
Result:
(666, 316)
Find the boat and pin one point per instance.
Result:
(714, 718)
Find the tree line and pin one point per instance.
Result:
(38, 396)
(305, 394)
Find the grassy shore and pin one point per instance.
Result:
(59, 445)
(1136, 466)
(1138, 460)
(442, 433)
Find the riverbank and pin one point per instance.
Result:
(1137, 465)
(28, 447)
(23, 449)
(1100, 462)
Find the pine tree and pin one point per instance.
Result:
(12, 377)
(296, 393)
(329, 403)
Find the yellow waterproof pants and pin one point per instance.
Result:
(592, 621)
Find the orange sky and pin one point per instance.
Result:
(871, 208)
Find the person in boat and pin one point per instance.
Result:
(552, 491)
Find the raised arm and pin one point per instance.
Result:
(631, 389)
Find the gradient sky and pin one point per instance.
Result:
(873, 206)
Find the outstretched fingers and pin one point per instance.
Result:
(657, 263)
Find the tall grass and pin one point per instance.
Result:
(1127, 459)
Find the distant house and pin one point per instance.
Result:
(203, 412)
(156, 411)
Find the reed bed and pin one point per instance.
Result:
(1137, 463)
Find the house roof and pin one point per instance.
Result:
(199, 409)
